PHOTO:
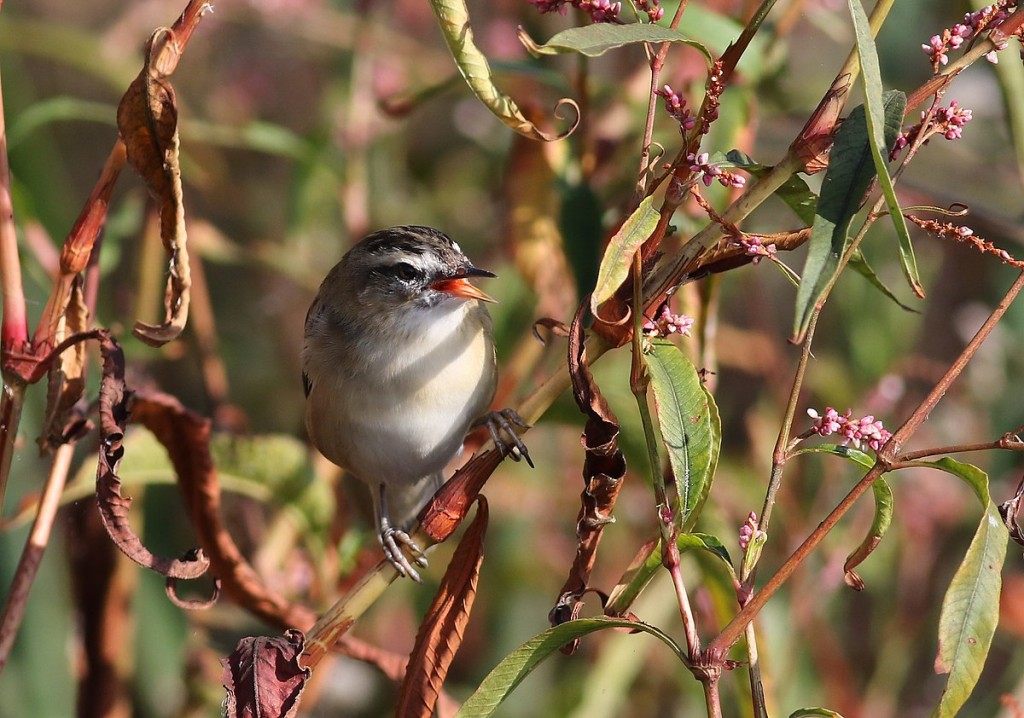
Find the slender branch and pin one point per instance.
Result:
(32, 554)
(781, 453)
(959, 449)
(657, 62)
(11, 402)
(731, 633)
(14, 332)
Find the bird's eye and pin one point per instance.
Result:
(406, 272)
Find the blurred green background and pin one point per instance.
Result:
(288, 158)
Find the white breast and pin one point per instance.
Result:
(404, 411)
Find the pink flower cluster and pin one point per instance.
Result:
(668, 323)
(599, 10)
(676, 107)
(654, 13)
(987, 18)
(866, 430)
(708, 173)
(755, 247)
(748, 530)
(947, 121)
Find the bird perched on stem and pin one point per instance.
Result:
(398, 364)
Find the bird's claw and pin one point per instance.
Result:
(507, 421)
(394, 541)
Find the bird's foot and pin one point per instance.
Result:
(506, 421)
(395, 543)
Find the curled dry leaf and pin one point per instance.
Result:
(453, 18)
(147, 119)
(441, 632)
(66, 379)
(186, 436)
(603, 469)
(556, 327)
(263, 677)
(113, 506)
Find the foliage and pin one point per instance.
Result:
(635, 174)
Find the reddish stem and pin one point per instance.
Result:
(14, 332)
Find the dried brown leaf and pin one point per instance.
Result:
(113, 506)
(147, 119)
(441, 632)
(186, 436)
(66, 379)
(814, 142)
(449, 506)
(603, 469)
(263, 677)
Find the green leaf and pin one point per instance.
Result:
(860, 265)
(970, 609)
(618, 257)
(795, 192)
(850, 171)
(815, 713)
(879, 527)
(844, 452)
(514, 667)
(884, 126)
(684, 416)
(453, 17)
(599, 38)
(635, 580)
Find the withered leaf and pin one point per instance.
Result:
(449, 506)
(441, 632)
(186, 436)
(603, 469)
(263, 677)
(66, 379)
(147, 119)
(113, 506)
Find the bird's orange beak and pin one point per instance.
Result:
(460, 287)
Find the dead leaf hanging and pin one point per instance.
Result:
(603, 470)
(113, 506)
(147, 119)
(263, 677)
(441, 633)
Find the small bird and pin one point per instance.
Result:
(398, 364)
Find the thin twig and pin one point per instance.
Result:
(32, 554)
(657, 62)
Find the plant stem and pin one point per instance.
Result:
(959, 449)
(712, 699)
(657, 62)
(718, 647)
(14, 332)
(32, 554)
(11, 403)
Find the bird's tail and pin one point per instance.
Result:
(405, 502)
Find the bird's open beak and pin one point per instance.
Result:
(459, 286)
